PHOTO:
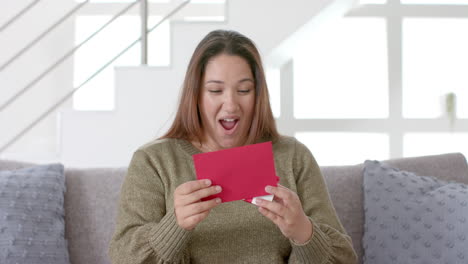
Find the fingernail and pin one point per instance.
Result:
(268, 189)
(208, 182)
(258, 201)
(218, 189)
(218, 200)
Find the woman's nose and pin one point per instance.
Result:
(231, 103)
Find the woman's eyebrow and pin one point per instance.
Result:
(214, 81)
(246, 80)
(221, 82)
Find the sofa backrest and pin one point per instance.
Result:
(90, 211)
(92, 197)
(345, 186)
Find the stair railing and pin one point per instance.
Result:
(43, 34)
(70, 94)
(63, 58)
(18, 15)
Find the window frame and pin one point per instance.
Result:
(396, 126)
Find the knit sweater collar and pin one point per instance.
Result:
(189, 148)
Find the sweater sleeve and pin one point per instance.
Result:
(145, 232)
(329, 242)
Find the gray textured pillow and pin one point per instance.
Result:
(413, 219)
(32, 215)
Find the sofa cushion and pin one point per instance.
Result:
(413, 219)
(32, 215)
(345, 186)
(90, 209)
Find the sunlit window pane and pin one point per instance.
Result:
(98, 94)
(363, 2)
(435, 62)
(336, 148)
(436, 2)
(417, 144)
(341, 71)
(273, 81)
(159, 44)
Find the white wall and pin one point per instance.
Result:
(41, 143)
(146, 96)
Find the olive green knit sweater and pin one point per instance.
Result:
(234, 232)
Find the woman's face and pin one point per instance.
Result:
(227, 100)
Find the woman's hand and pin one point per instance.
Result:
(287, 213)
(189, 209)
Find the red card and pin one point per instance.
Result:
(242, 172)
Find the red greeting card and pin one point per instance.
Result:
(242, 172)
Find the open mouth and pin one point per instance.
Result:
(229, 124)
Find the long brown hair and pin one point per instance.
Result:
(187, 123)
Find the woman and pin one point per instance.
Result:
(224, 104)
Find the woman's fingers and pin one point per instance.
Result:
(191, 186)
(193, 191)
(188, 208)
(287, 213)
(197, 208)
(200, 194)
(189, 216)
(195, 219)
(280, 192)
(275, 207)
(270, 215)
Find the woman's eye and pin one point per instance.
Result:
(214, 91)
(244, 91)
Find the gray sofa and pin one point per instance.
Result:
(92, 196)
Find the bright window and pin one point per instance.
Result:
(435, 62)
(372, 2)
(337, 148)
(273, 82)
(159, 43)
(341, 71)
(98, 94)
